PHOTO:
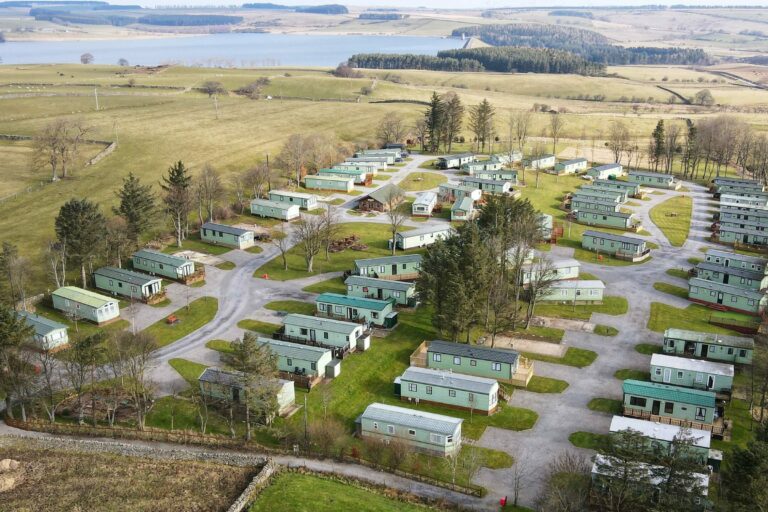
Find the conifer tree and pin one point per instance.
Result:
(177, 198)
(80, 228)
(434, 119)
(137, 206)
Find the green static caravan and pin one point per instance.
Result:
(561, 270)
(748, 279)
(401, 267)
(620, 246)
(593, 203)
(737, 189)
(381, 161)
(570, 166)
(166, 265)
(453, 390)
(654, 180)
(616, 220)
(404, 294)
(48, 335)
(320, 182)
(463, 209)
(606, 172)
(423, 205)
(742, 218)
(725, 297)
(450, 192)
(758, 195)
(297, 359)
(631, 189)
(733, 235)
(390, 157)
(274, 209)
(753, 225)
(415, 238)
(228, 236)
(577, 291)
(714, 347)
(587, 197)
(337, 334)
(127, 283)
(454, 161)
(77, 303)
(692, 373)
(370, 168)
(722, 180)
(732, 259)
(481, 166)
(492, 363)
(488, 186)
(540, 162)
(500, 175)
(227, 386)
(660, 437)
(741, 200)
(672, 405)
(360, 177)
(425, 432)
(304, 201)
(608, 192)
(356, 309)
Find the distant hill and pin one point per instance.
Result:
(314, 9)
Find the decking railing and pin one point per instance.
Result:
(419, 356)
(717, 428)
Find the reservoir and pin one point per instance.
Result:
(223, 50)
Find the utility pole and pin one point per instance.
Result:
(269, 176)
(96, 96)
(216, 105)
(305, 421)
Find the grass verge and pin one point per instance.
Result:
(546, 385)
(631, 374)
(577, 357)
(200, 312)
(588, 440)
(677, 291)
(606, 405)
(291, 306)
(673, 217)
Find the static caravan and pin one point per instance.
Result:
(620, 246)
(229, 236)
(451, 192)
(660, 437)
(166, 265)
(85, 304)
(304, 201)
(692, 373)
(274, 209)
(508, 157)
(737, 189)
(219, 384)
(434, 434)
(749, 279)
(356, 309)
(480, 166)
(492, 363)
(672, 405)
(129, 284)
(319, 182)
(540, 162)
(606, 172)
(403, 293)
(48, 335)
(588, 197)
(421, 237)
(732, 259)
(726, 297)
(578, 291)
(488, 186)
(546, 225)
(722, 180)
(500, 175)
(423, 205)
(371, 169)
(756, 216)
(714, 347)
(360, 177)
(463, 209)
(390, 156)
(733, 235)
(654, 180)
(751, 202)
(448, 389)
(296, 359)
(631, 189)
(618, 220)
(454, 161)
(326, 332)
(756, 224)
(562, 270)
(570, 166)
(593, 204)
(401, 267)
(592, 189)
(382, 161)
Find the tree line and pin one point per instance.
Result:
(587, 44)
(412, 61)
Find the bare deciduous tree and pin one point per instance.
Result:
(421, 130)
(56, 256)
(136, 355)
(57, 146)
(391, 129)
(309, 236)
(519, 124)
(117, 241)
(556, 125)
(212, 88)
(618, 139)
(256, 180)
(209, 191)
(331, 228)
(280, 239)
(293, 157)
(543, 274)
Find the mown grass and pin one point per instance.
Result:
(648, 349)
(588, 440)
(612, 305)
(577, 357)
(189, 370)
(677, 272)
(606, 405)
(540, 384)
(417, 181)
(265, 328)
(291, 306)
(677, 291)
(333, 285)
(200, 312)
(673, 217)
(226, 265)
(606, 330)
(693, 318)
(84, 328)
(197, 245)
(631, 374)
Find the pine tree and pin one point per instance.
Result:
(481, 119)
(80, 228)
(14, 372)
(137, 206)
(453, 117)
(177, 198)
(434, 117)
(657, 145)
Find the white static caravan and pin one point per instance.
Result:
(421, 237)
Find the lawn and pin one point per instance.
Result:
(606, 330)
(334, 285)
(678, 272)
(265, 328)
(695, 261)
(256, 249)
(677, 291)
(375, 236)
(291, 306)
(223, 346)
(630, 374)
(546, 385)
(588, 440)
(189, 370)
(418, 181)
(428, 164)
(612, 305)
(606, 405)
(197, 245)
(577, 357)
(738, 412)
(200, 312)
(673, 217)
(693, 318)
(226, 265)
(593, 257)
(292, 492)
(647, 349)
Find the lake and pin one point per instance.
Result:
(227, 50)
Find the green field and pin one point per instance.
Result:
(673, 217)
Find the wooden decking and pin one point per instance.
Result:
(718, 428)
(419, 356)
